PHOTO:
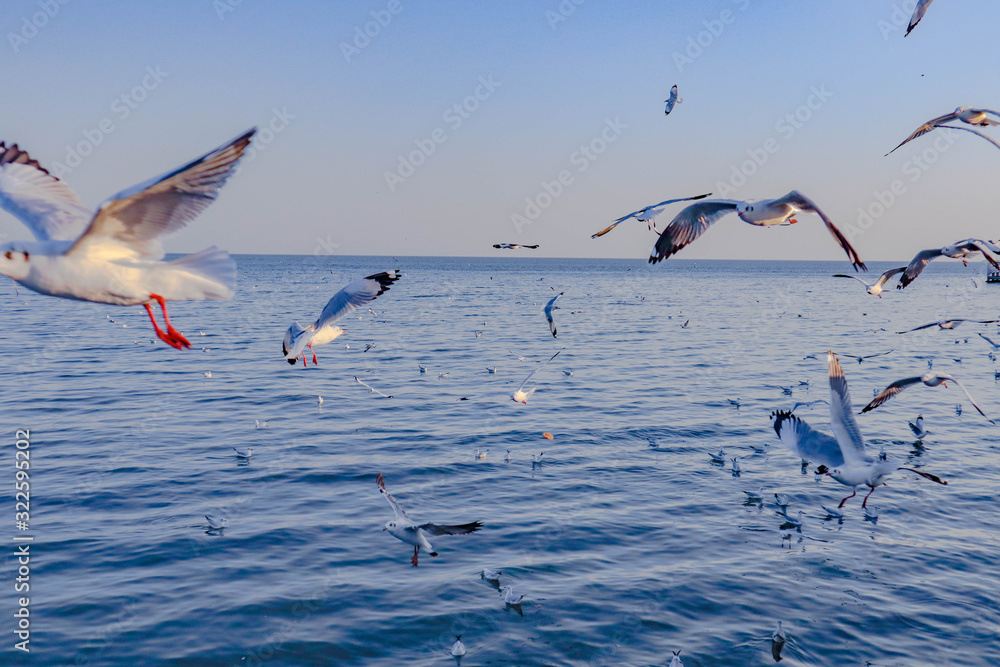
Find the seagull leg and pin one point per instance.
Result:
(159, 332)
(848, 497)
(316, 363)
(864, 503)
(171, 331)
(304, 364)
(416, 550)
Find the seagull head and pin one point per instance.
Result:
(745, 211)
(14, 261)
(389, 525)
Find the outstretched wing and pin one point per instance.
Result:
(917, 265)
(137, 217)
(924, 129)
(460, 529)
(540, 366)
(371, 388)
(643, 210)
(967, 395)
(918, 13)
(845, 428)
(392, 501)
(49, 208)
(976, 132)
(800, 201)
(889, 274)
(548, 313)
(807, 443)
(890, 391)
(688, 225)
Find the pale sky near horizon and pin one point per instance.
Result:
(533, 87)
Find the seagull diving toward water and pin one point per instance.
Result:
(958, 250)
(346, 301)
(931, 379)
(918, 13)
(519, 396)
(875, 289)
(966, 115)
(406, 530)
(647, 215)
(947, 324)
(549, 307)
(671, 101)
(513, 246)
(114, 255)
(690, 223)
(845, 454)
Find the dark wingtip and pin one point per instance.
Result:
(779, 417)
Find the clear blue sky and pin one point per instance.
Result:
(552, 87)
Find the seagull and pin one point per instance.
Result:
(322, 331)
(777, 642)
(423, 369)
(871, 512)
(207, 374)
(513, 246)
(481, 455)
(966, 115)
(510, 597)
(490, 575)
(537, 458)
(114, 255)
(506, 457)
(244, 453)
(995, 346)
(647, 215)
(844, 453)
(406, 530)
(931, 379)
(917, 426)
(736, 467)
(918, 13)
(458, 648)
(519, 396)
(720, 457)
(875, 289)
(869, 356)
(443, 376)
(259, 424)
(371, 390)
(670, 101)
(216, 523)
(479, 334)
(492, 370)
(690, 223)
(735, 403)
(676, 660)
(549, 307)
(755, 496)
(947, 324)
(793, 522)
(568, 374)
(367, 347)
(319, 400)
(781, 500)
(519, 357)
(958, 250)
(837, 514)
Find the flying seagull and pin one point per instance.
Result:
(346, 301)
(917, 426)
(875, 289)
(406, 530)
(690, 223)
(947, 324)
(967, 115)
(113, 255)
(549, 307)
(672, 100)
(995, 346)
(647, 215)
(519, 396)
(845, 454)
(869, 356)
(513, 246)
(918, 13)
(931, 379)
(371, 390)
(958, 250)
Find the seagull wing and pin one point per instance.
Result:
(137, 217)
(889, 274)
(807, 443)
(292, 337)
(643, 210)
(800, 201)
(845, 428)
(985, 248)
(844, 275)
(890, 391)
(967, 394)
(922, 326)
(917, 265)
(995, 345)
(688, 225)
(976, 132)
(537, 369)
(442, 529)
(548, 313)
(924, 129)
(918, 13)
(49, 208)
(392, 501)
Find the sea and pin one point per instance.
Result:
(626, 540)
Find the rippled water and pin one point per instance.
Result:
(624, 551)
